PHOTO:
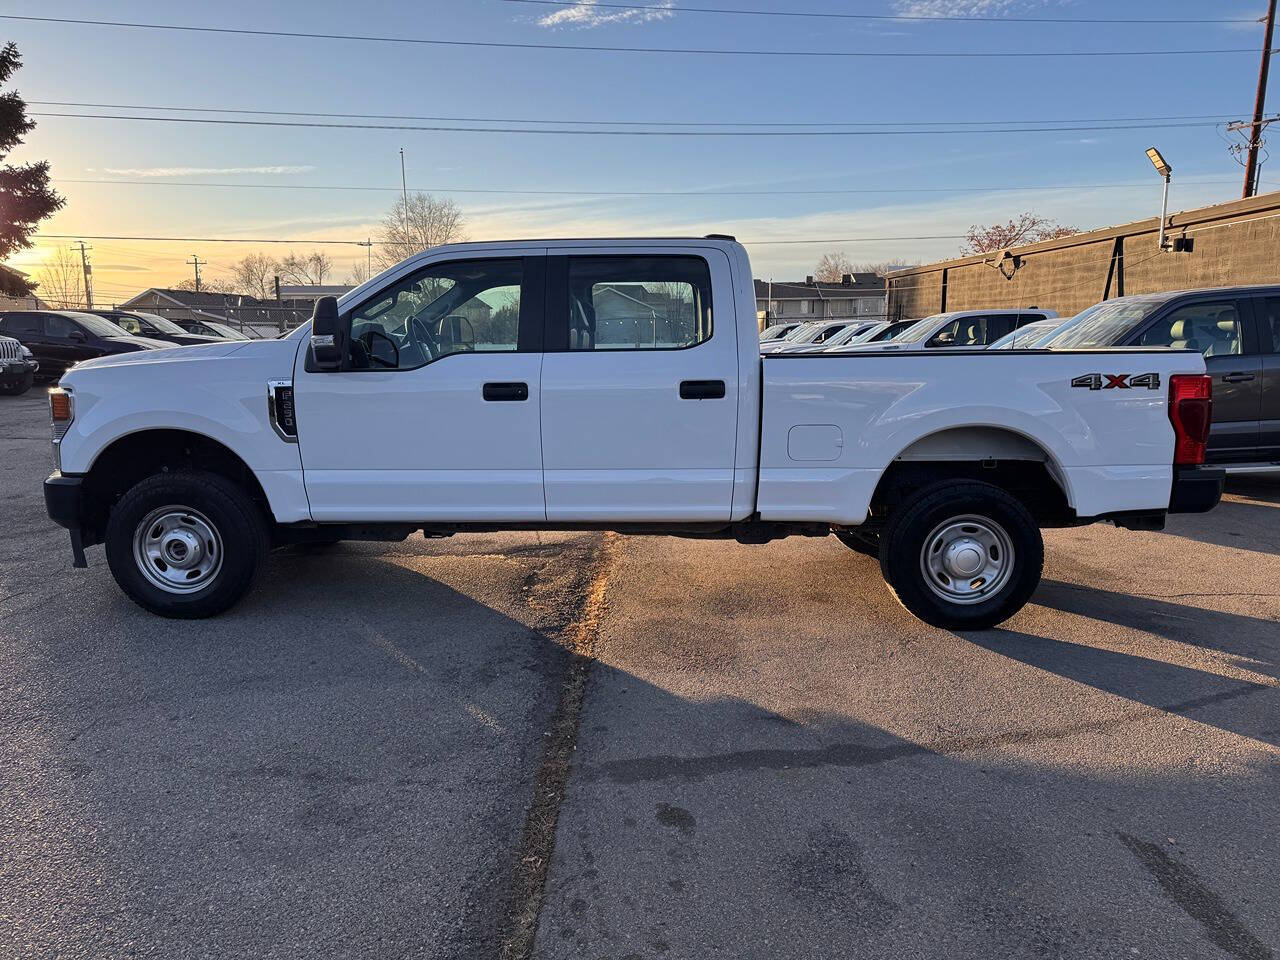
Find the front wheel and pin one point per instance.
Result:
(185, 544)
(962, 555)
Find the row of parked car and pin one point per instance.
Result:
(1237, 329)
(45, 343)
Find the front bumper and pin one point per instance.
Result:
(63, 498)
(1196, 489)
(14, 369)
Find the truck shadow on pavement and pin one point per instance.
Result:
(1248, 518)
(1250, 642)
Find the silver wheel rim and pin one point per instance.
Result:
(177, 549)
(967, 559)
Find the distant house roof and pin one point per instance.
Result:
(302, 291)
(859, 285)
(193, 300)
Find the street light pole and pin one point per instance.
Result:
(1260, 102)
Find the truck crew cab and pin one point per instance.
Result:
(611, 384)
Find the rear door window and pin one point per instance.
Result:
(21, 324)
(1212, 328)
(638, 303)
(1267, 311)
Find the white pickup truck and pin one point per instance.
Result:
(611, 384)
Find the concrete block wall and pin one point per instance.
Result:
(1234, 243)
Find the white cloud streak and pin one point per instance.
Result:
(964, 8)
(273, 170)
(588, 15)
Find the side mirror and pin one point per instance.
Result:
(77, 336)
(330, 335)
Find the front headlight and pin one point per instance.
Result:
(25, 352)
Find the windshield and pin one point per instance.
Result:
(847, 334)
(226, 331)
(1104, 324)
(97, 325)
(774, 333)
(920, 329)
(161, 324)
(1025, 336)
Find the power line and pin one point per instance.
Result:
(628, 193)
(623, 133)
(616, 123)
(85, 236)
(972, 18)
(361, 243)
(602, 48)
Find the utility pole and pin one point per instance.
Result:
(196, 262)
(404, 192)
(88, 275)
(1255, 131)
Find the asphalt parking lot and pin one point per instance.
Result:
(585, 745)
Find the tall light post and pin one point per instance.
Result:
(1165, 171)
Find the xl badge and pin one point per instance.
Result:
(1117, 381)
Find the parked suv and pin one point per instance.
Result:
(17, 367)
(153, 327)
(1237, 329)
(211, 328)
(61, 338)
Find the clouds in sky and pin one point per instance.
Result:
(272, 170)
(588, 15)
(964, 8)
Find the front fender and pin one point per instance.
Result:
(222, 398)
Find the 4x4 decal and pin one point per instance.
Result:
(1114, 381)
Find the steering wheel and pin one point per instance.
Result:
(421, 335)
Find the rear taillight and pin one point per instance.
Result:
(1190, 412)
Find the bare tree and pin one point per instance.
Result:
(358, 274)
(61, 280)
(255, 275)
(1028, 227)
(430, 222)
(833, 265)
(207, 285)
(306, 270)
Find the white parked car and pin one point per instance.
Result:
(777, 331)
(840, 336)
(809, 334)
(971, 329)
(854, 334)
(610, 384)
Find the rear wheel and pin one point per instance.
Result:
(962, 555)
(185, 544)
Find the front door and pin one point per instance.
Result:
(639, 387)
(437, 417)
(1220, 329)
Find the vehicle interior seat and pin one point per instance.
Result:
(1181, 336)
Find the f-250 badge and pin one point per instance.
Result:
(1117, 381)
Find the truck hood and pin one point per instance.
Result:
(169, 354)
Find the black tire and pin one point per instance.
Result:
(214, 499)
(867, 544)
(17, 387)
(903, 562)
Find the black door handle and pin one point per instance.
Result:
(701, 389)
(1237, 377)
(506, 391)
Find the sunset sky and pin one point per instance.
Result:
(197, 179)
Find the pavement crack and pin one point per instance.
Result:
(537, 845)
(1181, 885)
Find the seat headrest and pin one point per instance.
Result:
(1178, 330)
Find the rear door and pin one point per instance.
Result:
(639, 386)
(1220, 328)
(1266, 312)
(437, 417)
